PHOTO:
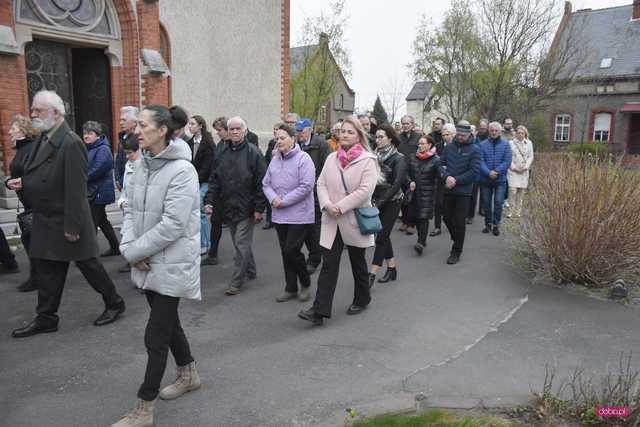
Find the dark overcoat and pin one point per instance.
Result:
(55, 185)
(426, 175)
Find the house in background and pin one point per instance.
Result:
(423, 106)
(318, 88)
(602, 102)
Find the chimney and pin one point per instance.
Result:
(568, 8)
(324, 37)
(636, 9)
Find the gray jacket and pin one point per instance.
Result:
(162, 222)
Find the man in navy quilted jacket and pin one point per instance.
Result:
(494, 164)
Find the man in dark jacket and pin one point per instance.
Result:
(55, 184)
(128, 121)
(235, 193)
(482, 133)
(316, 147)
(460, 161)
(494, 165)
(408, 147)
(436, 134)
(253, 138)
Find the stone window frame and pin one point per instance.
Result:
(612, 124)
(26, 30)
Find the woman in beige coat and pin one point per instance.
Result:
(518, 173)
(359, 166)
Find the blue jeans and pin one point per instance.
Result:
(496, 193)
(205, 233)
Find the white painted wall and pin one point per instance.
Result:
(226, 58)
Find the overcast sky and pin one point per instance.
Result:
(379, 35)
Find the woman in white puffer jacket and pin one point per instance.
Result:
(518, 173)
(161, 241)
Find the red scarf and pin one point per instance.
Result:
(346, 157)
(426, 154)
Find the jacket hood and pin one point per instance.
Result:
(100, 142)
(176, 150)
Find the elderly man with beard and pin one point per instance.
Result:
(55, 184)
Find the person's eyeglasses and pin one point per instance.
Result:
(38, 110)
(232, 129)
(380, 136)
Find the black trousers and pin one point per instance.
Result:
(438, 206)
(328, 278)
(312, 241)
(423, 231)
(163, 333)
(6, 256)
(101, 221)
(291, 237)
(474, 200)
(51, 278)
(216, 235)
(384, 248)
(455, 216)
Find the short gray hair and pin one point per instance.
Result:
(449, 127)
(495, 125)
(52, 100)
(243, 124)
(290, 114)
(407, 116)
(485, 121)
(130, 111)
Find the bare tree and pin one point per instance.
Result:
(393, 96)
(447, 56)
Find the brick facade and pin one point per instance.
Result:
(127, 83)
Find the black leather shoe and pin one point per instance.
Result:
(453, 259)
(496, 230)
(435, 232)
(267, 225)
(311, 316)
(210, 260)
(311, 268)
(418, 247)
(110, 252)
(389, 275)
(10, 268)
(355, 309)
(469, 221)
(372, 280)
(28, 286)
(33, 328)
(486, 229)
(109, 315)
(251, 276)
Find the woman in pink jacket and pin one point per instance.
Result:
(359, 166)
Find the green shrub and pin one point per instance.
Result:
(581, 220)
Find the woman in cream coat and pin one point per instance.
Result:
(161, 241)
(359, 166)
(518, 173)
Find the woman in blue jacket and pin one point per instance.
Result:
(100, 188)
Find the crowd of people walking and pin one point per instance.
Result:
(178, 188)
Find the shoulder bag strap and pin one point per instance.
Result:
(344, 184)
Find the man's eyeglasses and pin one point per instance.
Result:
(232, 129)
(38, 110)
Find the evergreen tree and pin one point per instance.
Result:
(379, 112)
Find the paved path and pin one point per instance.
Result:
(474, 330)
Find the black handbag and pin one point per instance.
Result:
(368, 218)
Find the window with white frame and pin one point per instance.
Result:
(602, 127)
(562, 126)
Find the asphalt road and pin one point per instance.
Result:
(472, 330)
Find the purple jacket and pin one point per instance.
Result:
(291, 178)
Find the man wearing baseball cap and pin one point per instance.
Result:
(460, 161)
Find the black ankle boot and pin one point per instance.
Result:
(390, 274)
(372, 279)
